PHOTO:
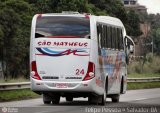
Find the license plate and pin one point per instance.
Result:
(61, 85)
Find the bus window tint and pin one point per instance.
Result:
(99, 35)
(121, 40)
(113, 38)
(63, 27)
(116, 38)
(105, 32)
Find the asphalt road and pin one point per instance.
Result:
(134, 101)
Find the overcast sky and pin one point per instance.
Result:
(153, 6)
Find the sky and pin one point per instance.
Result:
(153, 6)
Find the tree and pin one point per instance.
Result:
(111, 7)
(155, 34)
(9, 21)
(57, 6)
(133, 24)
(15, 19)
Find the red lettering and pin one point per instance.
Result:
(79, 71)
(76, 43)
(65, 43)
(39, 43)
(61, 44)
(85, 44)
(71, 43)
(81, 44)
(48, 43)
(44, 43)
(56, 43)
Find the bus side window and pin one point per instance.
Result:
(121, 40)
(113, 38)
(106, 37)
(99, 33)
(109, 37)
(99, 37)
(116, 38)
(103, 36)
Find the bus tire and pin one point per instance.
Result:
(91, 99)
(55, 99)
(122, 86)
(115, 98)
(46, 99)
(70, 99)
(103, 99)
(104, 96)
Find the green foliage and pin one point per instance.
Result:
(156, 37)
(150, 66)
(17, 95)
(154, 34)
(111, 7)
(148, 85)
(143, 75)
(133, 26)
(15, 18)
(57, 6)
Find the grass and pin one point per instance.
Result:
(149, 64)
(17, 95)
(143, 75)
(148, 85)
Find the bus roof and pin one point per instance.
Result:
(109, 20)
(101, 19)
(64, 14)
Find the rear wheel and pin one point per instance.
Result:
(104, 96)
(92, 99)
(103, 99)
(122, 86)
(69, 99)
(46, 102)
(55, 99)
(46, 99)
(115, 98)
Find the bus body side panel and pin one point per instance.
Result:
(99, 75)
(125, 72)
(113, 61)
(114, 67)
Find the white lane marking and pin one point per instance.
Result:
(42, 112)
(140, 99)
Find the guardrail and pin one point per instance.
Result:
(148, 79)
(26, 85)
(14, 86)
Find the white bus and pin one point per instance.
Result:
(77, 55)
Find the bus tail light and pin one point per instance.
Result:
(34, 73)
(90, 72)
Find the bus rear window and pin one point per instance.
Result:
(62, 27)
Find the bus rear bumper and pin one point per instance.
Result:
(89, 86)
